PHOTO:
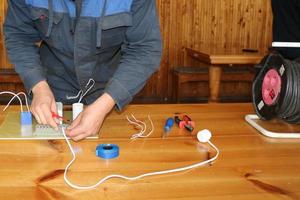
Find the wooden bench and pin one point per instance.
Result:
(220, 59)
(9, 76)
(9, 80)
(185, 78)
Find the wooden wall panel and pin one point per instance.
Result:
(4, 63)
(214, 24)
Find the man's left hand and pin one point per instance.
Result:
(90, 120)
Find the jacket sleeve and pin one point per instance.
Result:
(141, 54)
(20, 40)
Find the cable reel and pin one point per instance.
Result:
(276, 89)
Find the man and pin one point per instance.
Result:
(57, 46)
(286, 25)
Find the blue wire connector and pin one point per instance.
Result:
(26, 118)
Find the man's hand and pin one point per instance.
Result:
(43, 104)
(90, 120)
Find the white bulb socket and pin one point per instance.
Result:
(204, 135)
(77, 108)
(59, 107)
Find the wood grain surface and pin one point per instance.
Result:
(250, 165)
(225, 56)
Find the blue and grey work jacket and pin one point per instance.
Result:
(115, 42)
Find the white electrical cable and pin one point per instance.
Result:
(16, 95)
(8, 92)
(80, 93)
(138, 123)
(152, 129)
(83, 95)
(143, 128)
(127, 177)
(74, 97)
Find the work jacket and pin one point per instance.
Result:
(116, 43)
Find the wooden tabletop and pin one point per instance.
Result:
(250, 165)
(225, 56)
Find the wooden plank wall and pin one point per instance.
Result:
(4, 63)
(213, 23)
(196, 23)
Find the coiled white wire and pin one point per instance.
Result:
(79, 187)
(142, 125)
(16, 96)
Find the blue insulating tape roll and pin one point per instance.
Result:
(107, 151)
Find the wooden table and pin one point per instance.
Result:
(250, 165)
(218, 59)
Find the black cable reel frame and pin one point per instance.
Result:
(267, 101)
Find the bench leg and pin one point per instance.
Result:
(215, 73)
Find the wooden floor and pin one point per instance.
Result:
(250, 165)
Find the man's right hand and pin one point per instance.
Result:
(43, 104)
